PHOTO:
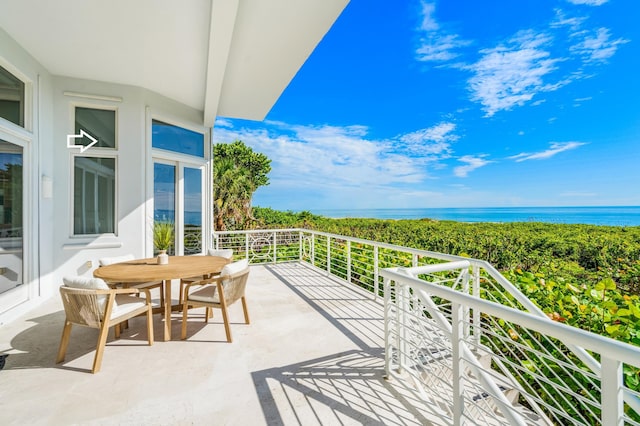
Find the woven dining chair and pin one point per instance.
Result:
(225, 253)
(219, 292)
(89, 302)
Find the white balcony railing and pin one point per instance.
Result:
(459, 331)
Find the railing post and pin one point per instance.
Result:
(246, 246)
(376, 273)
(475, 292)
(275, 247)
(466, 312)
(313, 249)
(348, 260)
(300, 246)
(328, 254)
(387, 337)
(611, 392)
(414, 260)
(457, 336)
(402, 305)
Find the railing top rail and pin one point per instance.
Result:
(433, 254)
(606, 346)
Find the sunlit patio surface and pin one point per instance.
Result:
(313, 354)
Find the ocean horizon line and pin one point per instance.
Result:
(589, 215)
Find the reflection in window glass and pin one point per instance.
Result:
(11, 98)
(99, 123)
(192, 211)
(94, 195)
(164, 207)
(10, 216)
(177, 139)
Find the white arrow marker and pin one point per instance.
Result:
(83, 134)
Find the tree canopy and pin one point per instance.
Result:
(238, 172)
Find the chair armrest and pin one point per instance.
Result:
(200, 283)
(125, 290)
(128, 290)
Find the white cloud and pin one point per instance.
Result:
(223, 122)
(440, 48)
(586, 98)
(589, 2)
(597, 46)
(332, 158)
(428, 21)
(435, 140)
(561, 20)
(511, 74)
(554, 148)
(436, 45)
(471, 163)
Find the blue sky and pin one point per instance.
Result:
(457, 103)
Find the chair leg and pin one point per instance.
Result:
(102, 341)
(227, 328)
(150, 324)
(64, 341)
(117, 330)
(185, 308)
(208, 313)
(246, 311)
(181, 296)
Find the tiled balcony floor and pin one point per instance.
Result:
(313, 354)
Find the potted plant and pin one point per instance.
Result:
(163, 237)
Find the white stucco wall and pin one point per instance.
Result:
(51, 251)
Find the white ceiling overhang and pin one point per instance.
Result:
(223, 57)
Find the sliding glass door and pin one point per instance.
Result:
(164, 209)
(11, 217)
(178, 207)
(192, 211)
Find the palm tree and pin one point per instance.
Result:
(232, 191)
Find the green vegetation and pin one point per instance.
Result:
(582, 275)
(237, 172)
(163, 235)
(585, 275)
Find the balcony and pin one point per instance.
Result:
(323, 309)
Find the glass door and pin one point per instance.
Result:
(178, 208)
(11, 217)
(192, 210)
(164, 208)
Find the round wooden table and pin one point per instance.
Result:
(148, 270)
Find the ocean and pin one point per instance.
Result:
(601, 215)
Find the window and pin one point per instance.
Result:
(11, 98)
(94, 177)
(99, 123)
(94, 190)
(177, 139)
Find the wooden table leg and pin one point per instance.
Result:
(167, 310)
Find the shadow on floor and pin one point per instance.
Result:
(340, 389)
(37, 346)
(344, 387)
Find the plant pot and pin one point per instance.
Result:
(163, 258)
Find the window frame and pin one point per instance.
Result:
(96, 184)
(179, 160)
(93, 152)
(26, 130)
